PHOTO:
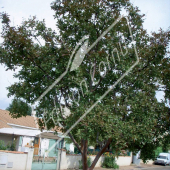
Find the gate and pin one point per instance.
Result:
(43, 160)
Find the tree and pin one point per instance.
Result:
(19, 108)
(129, 117)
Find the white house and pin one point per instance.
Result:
(25, 132)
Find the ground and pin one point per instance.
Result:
(141, 167)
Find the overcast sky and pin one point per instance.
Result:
(157, 16)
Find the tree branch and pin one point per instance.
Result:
(75, 142)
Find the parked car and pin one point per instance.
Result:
(163, 158)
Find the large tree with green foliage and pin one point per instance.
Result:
(129, 117)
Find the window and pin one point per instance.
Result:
(36, 140)
(162, 157)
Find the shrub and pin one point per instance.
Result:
(2, 145)
(110, 162)
(9, 146)
(13, 146)
(93, 152)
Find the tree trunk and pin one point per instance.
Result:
(83, 149)
(84, 155)
(99, 154)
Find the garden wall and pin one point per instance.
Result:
(124, 160)
(72, 161)
(16, 160)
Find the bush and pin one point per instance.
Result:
(2, 145)
(9, 146)
(109, 162)
(88, 163)
(13, 146)
(92, 152)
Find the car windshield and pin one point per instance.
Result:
(162, 157)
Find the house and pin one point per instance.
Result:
(25, 132)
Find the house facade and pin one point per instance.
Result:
(24, 132)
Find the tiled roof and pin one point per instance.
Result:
(22, 121)
(3, 124)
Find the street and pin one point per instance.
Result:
(142, 167)
(157, 168)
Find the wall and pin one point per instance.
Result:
(72, 161)
(17, 160)
(124, 160)
(27, 139)
(17, 143)
(71, 147)
(100, 161)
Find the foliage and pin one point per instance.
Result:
(67, 152)
(10, 146)
(166, 143)
(92, 152)
(129, 117)
(109, 161)
(76, 151)
(158, 151)
(2, 145)
(148, 152)
(19, 108)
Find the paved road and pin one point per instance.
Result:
(143, 167)
(156, 168)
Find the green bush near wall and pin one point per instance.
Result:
(110, 162)
(2, 145)
(9, 146)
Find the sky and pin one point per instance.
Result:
(157, 16)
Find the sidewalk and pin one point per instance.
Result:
(132, 167)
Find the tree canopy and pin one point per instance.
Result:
(129, 117)
(19, 108)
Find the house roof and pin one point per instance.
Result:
(6, 120)
(20, 132)
(4, 124)
(48, 135)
